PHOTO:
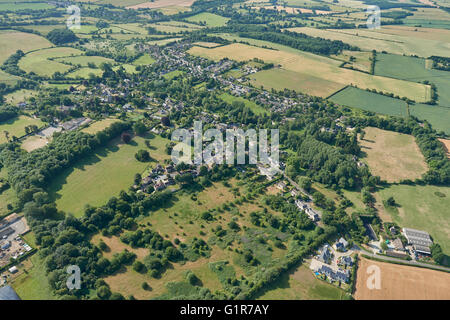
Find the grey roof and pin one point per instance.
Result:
(417, 237)
(8, 293)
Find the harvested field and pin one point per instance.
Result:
(400, 282)
(162, 3)
(446, 144)
(392, 156)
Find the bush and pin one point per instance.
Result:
(142, 156)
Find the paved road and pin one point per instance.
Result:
(410, 262)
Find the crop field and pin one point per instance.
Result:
(414, 69)
(356, 60)
(250, 104)
(402, 283)
(210, 19)
(316, 66)
(393, 39)
(423, 208)
(369, 101)
(300, 284)
(16, 126)
(11, 41)
(113, 167)
(392, 156)
(160, 4)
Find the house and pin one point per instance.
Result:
(346, 261)
(336, 275)
(341, 245)
(4, 245)
(294, 193)
(13, 270)
(314, 216)
(325, 255)
(397, 244)
(281, 185)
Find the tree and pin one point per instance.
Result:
(61, 36)
(165, 121)
(126, 137)
(103, 292)
(139, 128)
(142, 156)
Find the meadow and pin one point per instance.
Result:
(210, 19)
(96, 179)
(423, 208)
(250, 104)
(11, 41)
(6, 197)
(369, 101)
(145, 59)
(99, 125)
(16, 126)
(311, 65)
(392, 156)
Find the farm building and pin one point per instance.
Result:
(420, 240)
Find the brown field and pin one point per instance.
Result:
(314, 66)
(162, 3)
(392, 156)
(446, 144)
(116, 246)
(400, 282)
(33, 143)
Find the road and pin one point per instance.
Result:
(411, 263)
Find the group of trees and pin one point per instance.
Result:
(61, 36)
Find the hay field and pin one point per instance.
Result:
(33, 143)
(400, 282)
(393, 39)
(315, 66)
(392, 156)
(446, 144)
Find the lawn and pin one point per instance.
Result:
(96, 179)
(210, 19)
(424, 208)
(314, 66)
(16, 126)
(300, 284)
(250, 104)
(392, 156)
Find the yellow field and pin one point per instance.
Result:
(424, 42)
(308, 65)
(99, 126)
(401, 282)
(392, 156)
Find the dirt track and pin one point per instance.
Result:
(402, 282)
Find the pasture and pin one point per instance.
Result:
(311, 65)
(393, 39)
(392, 156)
(145, 59)
(209, 19)
(11, 41)
(399, 282)
(16, 126)
(99, 126)
(97, 178)
(423, 208)
(300, 284)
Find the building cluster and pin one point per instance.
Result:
(306, 208)
(419, 240)
(325, 265)
(12, 245)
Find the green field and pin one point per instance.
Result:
(422, 208)
(250, 104)
(145, 59)
(16, 6)
(84, 60)
(11, 41)
(16, 126)
(369, 101)
(413, 69)
(210, 19)
(97, 178)
(437, 116)
(300, 284)
(6, 197)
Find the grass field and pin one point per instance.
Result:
(210, 19)
(16, 6)
(362, 99)
(7, 78)
(19, 96)
(414, 69)
(112, 167)
(84, 60)
(6, 197)
(11, 41)
(145, 59)
(33, 142)
(250, 104)
(99, 126)
(16, 126)
(310, 65)
(424, 42)
(401, 282)
(423, 208)
(300, 284)
(37, 61)
(158, 4)
(392, 156)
